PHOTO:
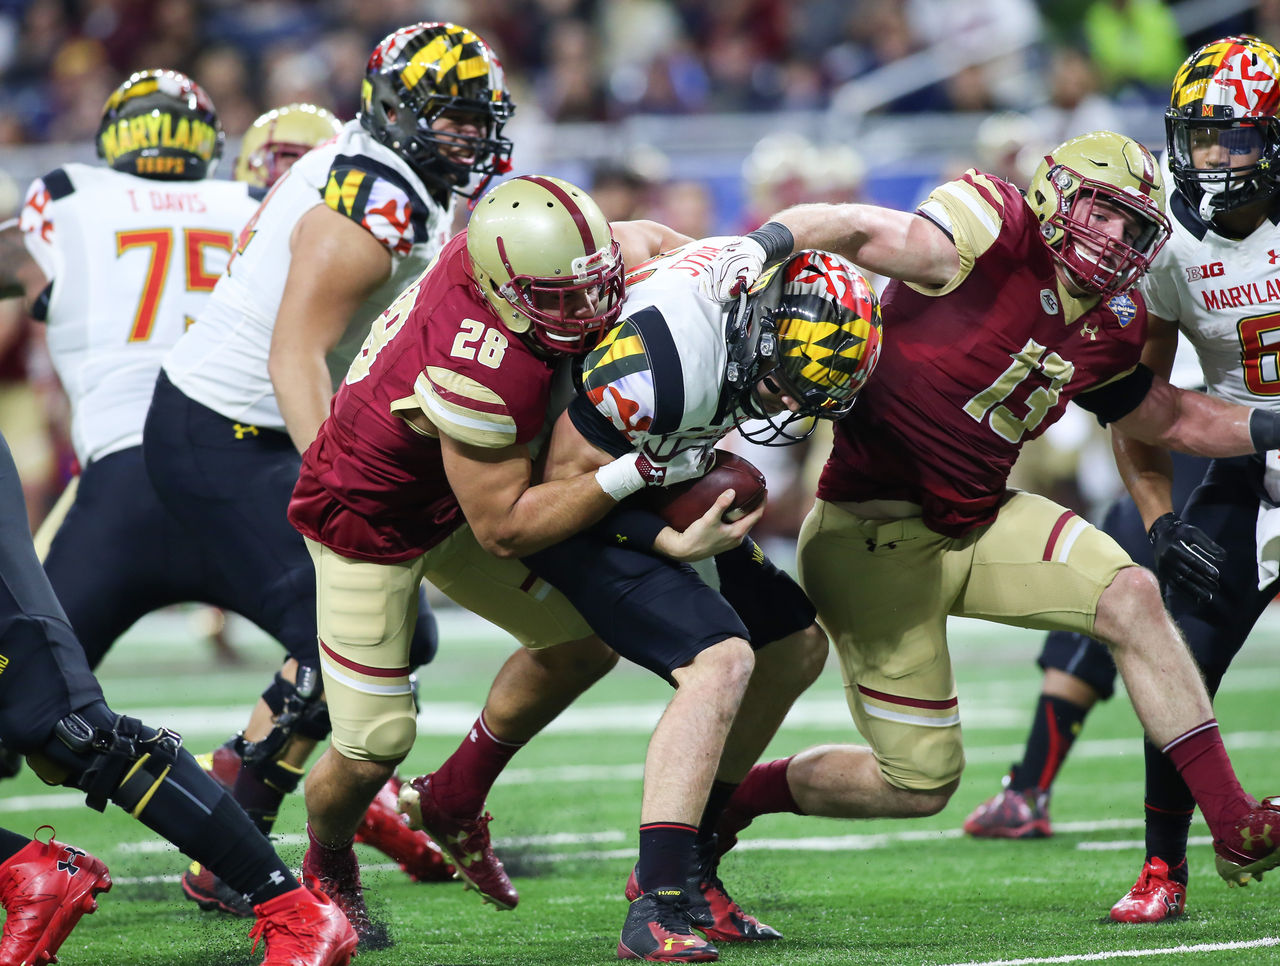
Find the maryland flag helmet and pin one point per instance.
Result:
(544, 258)
(1100, 169)
(280, 137)
(1221, 128)
(160, 124)
(427, 70)
(811, 326)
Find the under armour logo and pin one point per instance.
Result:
(1091, 331)
(68, 865)
(672, 941)
(243, 431)
(472, 736)
(276, 877)
(1250, 841)
(1271, 254)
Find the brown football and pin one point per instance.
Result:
(682, 503)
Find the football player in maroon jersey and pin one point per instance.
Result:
(423, 469)
(1002, 309)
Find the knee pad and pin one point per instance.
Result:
(379, 737)
(298, 707)
(110, 757)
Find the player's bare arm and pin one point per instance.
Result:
(1192, 422)
(896, 244)
(641, 240)
(20, 274)
(336, 265)
(509, 515)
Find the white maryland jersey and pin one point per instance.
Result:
(659, 375)
(1224, 294)
(222, 362)
(131, 261)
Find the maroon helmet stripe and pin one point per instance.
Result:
(571, 206)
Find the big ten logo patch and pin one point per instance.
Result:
(1196, 273)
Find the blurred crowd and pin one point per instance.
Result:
(598, 60)
(1031, 73)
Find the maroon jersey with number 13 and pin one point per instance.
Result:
(971, 371)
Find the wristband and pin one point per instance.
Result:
(1264, 430)
(776, 240)
(621, 478)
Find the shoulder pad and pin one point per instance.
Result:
(58, 183)
(379, 199)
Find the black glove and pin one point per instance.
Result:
(1187, 558)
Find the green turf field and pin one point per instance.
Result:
(884, 892)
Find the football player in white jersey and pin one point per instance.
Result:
(243, 393)
(680, 371)
(116, 260)
(1215, 282)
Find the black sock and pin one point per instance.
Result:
(259, 790)
(666, 855)
(719, 796)
(11, 843)
(1054, 729)
(1169, 808)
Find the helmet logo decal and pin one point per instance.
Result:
(1240, 81)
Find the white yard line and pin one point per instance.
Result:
(1131, 953)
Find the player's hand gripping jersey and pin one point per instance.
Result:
(657, 379)
(373, 486)
(222, 362)
(130, 261)
(967, 373)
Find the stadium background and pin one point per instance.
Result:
(705, 115)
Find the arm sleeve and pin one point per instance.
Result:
(1119, 397)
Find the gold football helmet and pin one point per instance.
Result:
(1108, 169)
(278, 138)
(544, 258)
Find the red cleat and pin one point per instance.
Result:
(1011, 815)
(386, 830)
(1252, 846)
(1155, 897)
(212, 894)
(303, 928)
(711, 910)
(465, 839)
(45, 888)
(340, 881)
(222, 764)
(657, 931)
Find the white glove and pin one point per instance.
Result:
(733, 269)
(635, 471)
